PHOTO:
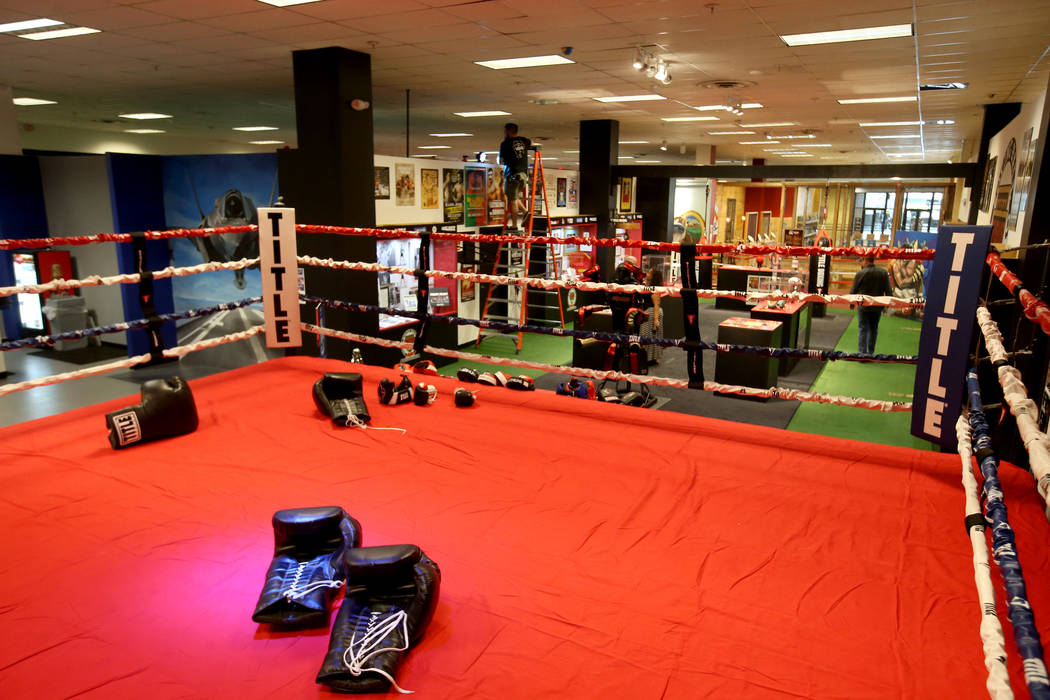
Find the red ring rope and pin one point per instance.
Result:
(1035, 309)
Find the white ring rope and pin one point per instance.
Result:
(861, 299)
(992, 639)
(774, 392)
(128, 278)
(177, 351)
(1021, 406)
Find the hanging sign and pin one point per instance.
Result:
(277, 265)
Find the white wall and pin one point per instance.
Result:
(1030, 117)
(76, 197)
(690, 196)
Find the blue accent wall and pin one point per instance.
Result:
(137, 193)
(22, 215)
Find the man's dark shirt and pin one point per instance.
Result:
(873, 281)
(514, 154)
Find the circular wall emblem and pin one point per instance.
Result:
(572, 298)
(409, 336)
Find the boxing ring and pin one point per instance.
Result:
(587, 549)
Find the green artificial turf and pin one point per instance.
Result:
(889, 382)
(548, 349)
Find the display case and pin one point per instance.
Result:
(628, 227)
(572, 258)
(398, 291)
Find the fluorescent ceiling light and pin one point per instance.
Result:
(788, 137)
(794, 155)
(525, 62)
(756, 143)
(144, 131)
(286, 3)
(31, 102)
(628, 157)
(630, 98)
(940, 122)
(629, 142)
(450, 135)
(867, 124)
(266, 142)
(729, 133)
(716, 108)
(891, 31)
(255, 128)
(28, 24)
(690, 119)
(873, 100)
(759, 126)
(646, 161)
(894, 136)
(60, 33)
(488, 113)
(551, 158)
(145, 115)
(431, 148)
(904, 155)
(571, 151)
(818, 145)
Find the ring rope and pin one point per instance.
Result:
(701, 249)
(1004, 549)
(992, 639)
(1035, 309)
(177, 351)
(43, 341)
(1021, 406)
(802, 353)
(126, 278)
(773, 392)
(859, 299)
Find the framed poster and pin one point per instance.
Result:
(406, 184)
(475, 208)
(452, 191)
(428, 188)
(467, 287)
(382, 182)
(625, 193)
(1021, 181)
(999, 213)
(563, 192)
(572, 190)
(496, 196)
(989, 183)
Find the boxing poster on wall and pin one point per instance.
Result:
(563, 192)
(452, 194)
(625, 193)
(406, 184)
(572, 190)
(1019, 196)
(497, 205)
(989, 183)
(475, 210)
(382, 183)
(428, 188)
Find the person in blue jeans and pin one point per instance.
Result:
(871, 280)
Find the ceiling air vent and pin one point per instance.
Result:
(727, 84)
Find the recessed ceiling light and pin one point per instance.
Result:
(488, 113)
(431, 148)
(867, 124)
(266, 142)
(255, 128)
(450, 135)
(768, 124)
(145, 115)
(630, 142)
(60, 33)
(144, 131)
(891, 31)
(525, 62)
(690, 119)
(894, 136)
(729, 133)
(29, 24)
(630, 98)
(958, 85)
(940, 122)
(646, 161)
(31, 102)
(286, 3)
(756, 143)
(873, 100)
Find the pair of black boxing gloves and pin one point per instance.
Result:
(391, 593)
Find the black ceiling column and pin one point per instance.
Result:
(329, 180)
(599, 151)
(654, 200)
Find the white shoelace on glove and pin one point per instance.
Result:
(361, 650)
(297, 589)
(351, 419)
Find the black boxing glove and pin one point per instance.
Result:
(340, 396)
(464, 398)
(167, 409)
(390, 598)
(609, 395)
(467, 375)
(424, 394)
(307, 566)
(394, 394)
(522, 382)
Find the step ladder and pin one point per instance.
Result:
(521, 260)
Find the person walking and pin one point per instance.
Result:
(874, 281)
(514, 157)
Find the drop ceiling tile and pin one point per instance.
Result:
(196, 9)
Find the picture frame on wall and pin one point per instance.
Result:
(382, 186)
(626, 187)
(989, 183)
(428, 185)
(467, 288)
(406, 184)
(563, 191)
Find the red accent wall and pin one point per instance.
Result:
(759, 199)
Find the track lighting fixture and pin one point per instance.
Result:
(663, 145)
(651, 66)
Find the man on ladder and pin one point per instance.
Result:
(514, 157)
